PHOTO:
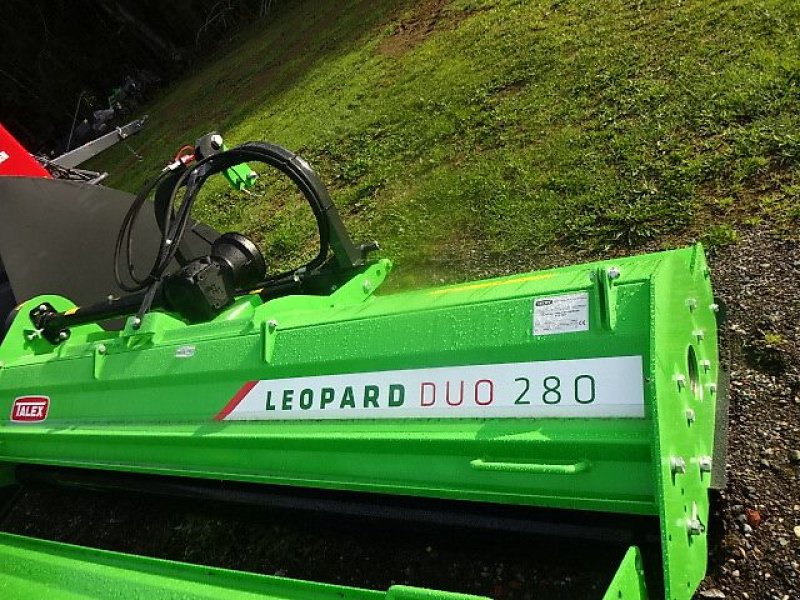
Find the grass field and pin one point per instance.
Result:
(476, 138)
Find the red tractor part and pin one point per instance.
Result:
(16, 160)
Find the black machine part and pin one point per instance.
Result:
(56, 237)
(200, 290)
(7, 300)
(336, 249)
(242, 258)
(204, 287)
(457, 515)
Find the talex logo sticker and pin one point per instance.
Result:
(30, 409)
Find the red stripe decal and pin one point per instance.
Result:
(234, 402)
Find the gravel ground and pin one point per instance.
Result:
(755, 529)
(757, 520)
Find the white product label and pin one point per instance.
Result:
(3, 156)
(561, 314)
(585, 388)
(185, 352)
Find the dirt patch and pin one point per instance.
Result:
(427, 17)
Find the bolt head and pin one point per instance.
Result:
(677, 464)
(695, 527)
(613, 273)
(705, 464)
(690, 415)
(272, 324)
(101, 349)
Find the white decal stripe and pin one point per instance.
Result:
(583, 388)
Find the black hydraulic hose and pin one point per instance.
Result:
(175, 221)
(293, 167)
(124, 244)
(147, 292)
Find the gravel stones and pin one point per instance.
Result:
(758, 558)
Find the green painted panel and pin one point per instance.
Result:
(36, 569)
(628, 582)
(686, 371)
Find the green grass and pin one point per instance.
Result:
(503, 135)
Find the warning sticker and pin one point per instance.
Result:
(561, 314)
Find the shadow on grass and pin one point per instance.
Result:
(268, 59)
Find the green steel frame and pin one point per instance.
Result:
(158, 399)
(32, 569)
(35, 569)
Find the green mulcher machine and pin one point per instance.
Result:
(590, 390)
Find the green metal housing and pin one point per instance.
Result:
(32, 569)
(178, 399)
(35, 569)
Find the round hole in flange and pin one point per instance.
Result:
(693, 369)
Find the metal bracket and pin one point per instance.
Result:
(719, 476)
(81, 154)
(269, 330)
(100, 352)
(607, 295)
